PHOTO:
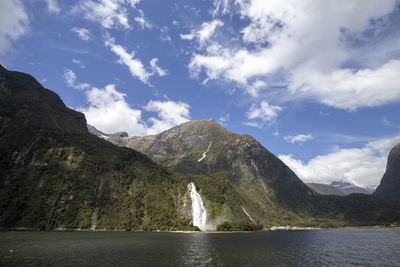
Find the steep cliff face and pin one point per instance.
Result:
(53, 173)
(390, 183)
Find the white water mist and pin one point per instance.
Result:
(199, 213)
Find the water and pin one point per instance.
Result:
(199, 213)
(300, 248)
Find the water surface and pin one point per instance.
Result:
(300, 248)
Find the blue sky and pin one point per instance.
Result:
(316, 82)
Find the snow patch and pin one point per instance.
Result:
(205, 153)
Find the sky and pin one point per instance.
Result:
(315, 82)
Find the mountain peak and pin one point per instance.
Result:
(200, 124)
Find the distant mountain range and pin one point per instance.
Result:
(339, 188)
(55, 174)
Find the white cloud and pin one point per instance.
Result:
(143, 22)
(70, 79)
(205, 32)
(300, 138)
(109, 112)
(188, 36)
(348, 89)
(135, 66)
(296, 38)
(264, 112)
(82, 33)
(14, 22)
(170, 113)
(156, 69)
(52, 6)
(254, 88)
(220, 6)
(109, 13)
(362, 166)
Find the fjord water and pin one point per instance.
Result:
(300, 248)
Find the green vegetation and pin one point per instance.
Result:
(227, 226)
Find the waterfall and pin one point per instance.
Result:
(199, 213)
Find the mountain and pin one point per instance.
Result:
(205, 147)
(390, 183)
(55, 174)
(325, 189)
(349, 188)
(338, 188)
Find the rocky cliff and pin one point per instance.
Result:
(390, 183)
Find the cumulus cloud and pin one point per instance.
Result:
(82, 33)
(109, 13)
(170, 113)
(300, 138)
(263, 112)
(296, 38)
(363, 166)
(109, 112)
(14, 22)
(205, 32)
(70, 79)
(349, 89)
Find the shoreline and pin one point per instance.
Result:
(272, 229)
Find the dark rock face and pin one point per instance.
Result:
(390, 183)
